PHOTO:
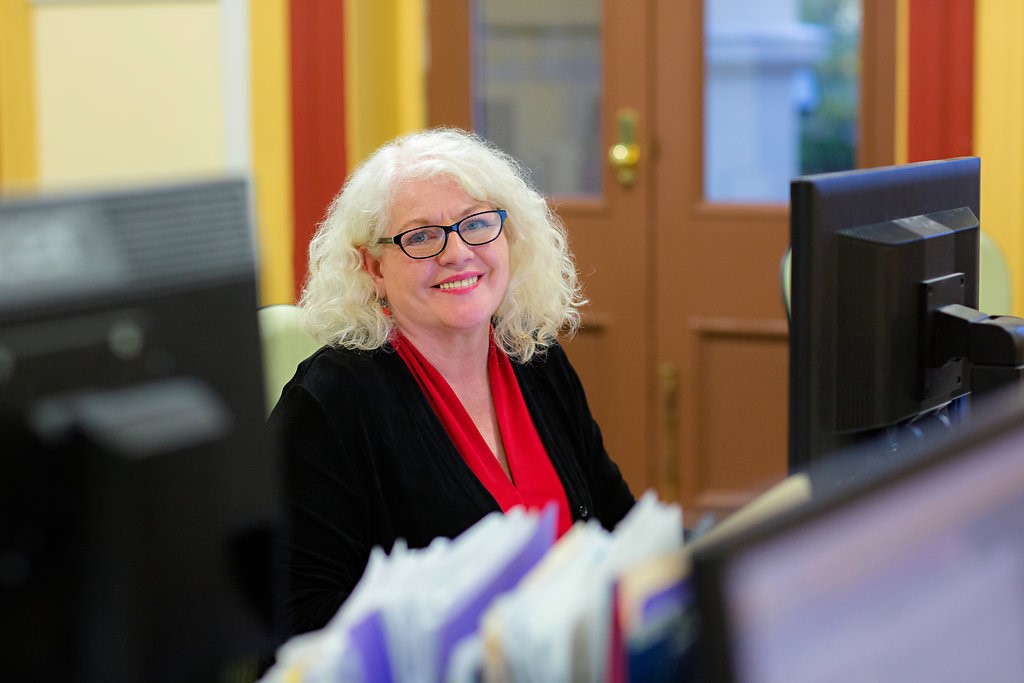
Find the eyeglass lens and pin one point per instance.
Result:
(475, 230)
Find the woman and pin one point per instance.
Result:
(438, 282)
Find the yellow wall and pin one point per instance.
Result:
(17, 102)
(128, 91)
(100, 93)
(272, 147)
(385, 74)
(999, 129)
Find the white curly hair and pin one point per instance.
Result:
(339, 300)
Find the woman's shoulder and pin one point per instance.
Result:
(347, 389)
(550, 365)
(551, 356)
(333, 367)
(343, 356)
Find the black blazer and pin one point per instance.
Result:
(366, 462)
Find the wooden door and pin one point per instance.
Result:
(721, 330)
(721, 334)
(684, 353)
(610, 230)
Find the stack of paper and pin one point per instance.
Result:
(502, 602)
(655, 620)
(413, 608)
(558, 624)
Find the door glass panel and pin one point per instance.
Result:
(537, 88)
(780, 94)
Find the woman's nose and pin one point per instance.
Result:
(456, 251)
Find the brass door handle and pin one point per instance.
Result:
(624, 155)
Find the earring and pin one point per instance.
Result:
(384, 307)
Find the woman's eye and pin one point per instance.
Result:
(416, 238)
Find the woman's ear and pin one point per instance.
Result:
(371, 264)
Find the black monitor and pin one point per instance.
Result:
(138, 498)
(912, 574)
(886, 341)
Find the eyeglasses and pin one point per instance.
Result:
(430, 240)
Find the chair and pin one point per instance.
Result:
(786, 279)
(995, 288)
(285, 344)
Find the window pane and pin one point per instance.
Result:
(537, 89)
(780, 94)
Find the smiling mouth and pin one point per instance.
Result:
(460, 284)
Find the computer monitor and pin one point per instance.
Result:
(885, 335)
(138, 497)
(914, 574)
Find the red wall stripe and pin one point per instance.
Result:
(940, 103)
(318, 117)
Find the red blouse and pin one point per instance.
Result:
(534, 482)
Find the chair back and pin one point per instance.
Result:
(995, 287)
(285, 345)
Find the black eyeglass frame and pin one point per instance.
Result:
(448, 229)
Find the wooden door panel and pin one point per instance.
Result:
(610, 404)
(737, 255)
(611, 353)
(739, 375)
(449, 81)
(728, 333)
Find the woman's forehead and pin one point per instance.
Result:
(437, 200)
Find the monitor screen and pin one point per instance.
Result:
(138, 497)
(868, 246)
(916, 574)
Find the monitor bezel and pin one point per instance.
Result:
(997, 416)
(175, 326)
